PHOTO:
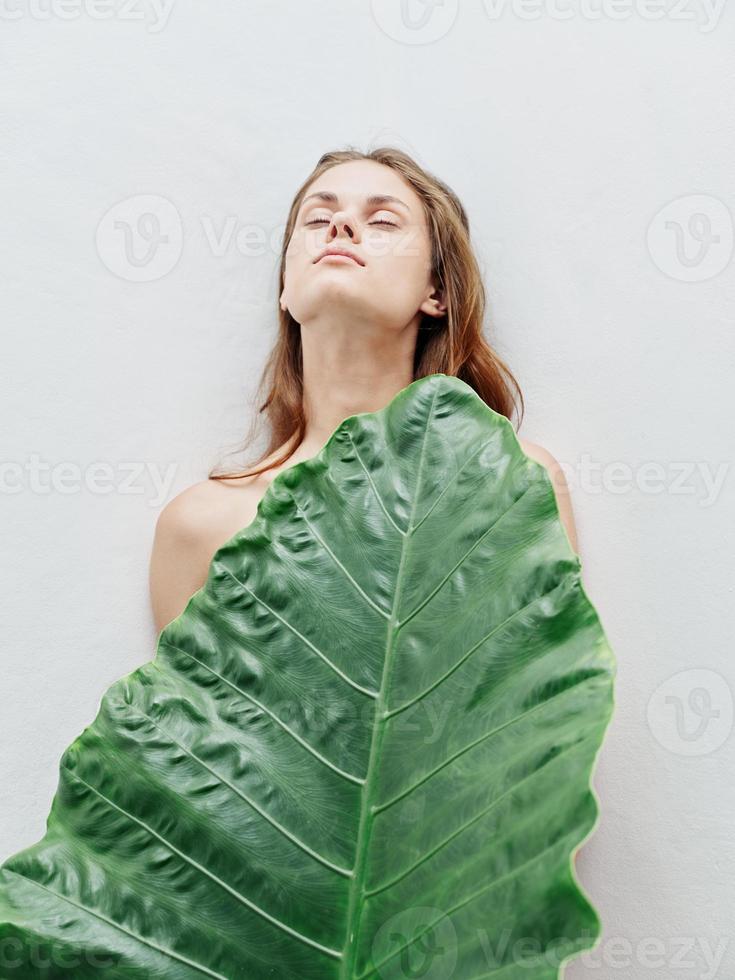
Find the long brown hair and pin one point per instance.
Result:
(453, 344)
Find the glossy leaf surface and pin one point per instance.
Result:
(364, 749)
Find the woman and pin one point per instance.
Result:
(379, 286)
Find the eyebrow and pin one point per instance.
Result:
(329, 197)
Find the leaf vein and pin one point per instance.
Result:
(464, 557)
(575, 746)
(209, 874)
(338, 563)
(465, 656)
(452, 480)
(514, 873)
(471, 745)
(317, 755)
(116, 925)
(305, 640)
(374, 488)
(263, 813)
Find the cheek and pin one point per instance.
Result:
(306, 244)
(398, 283)
(300, 242)
(297, 258)
(295, 246)
(403, 259)
(415, 248)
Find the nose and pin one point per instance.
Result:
(342, 224)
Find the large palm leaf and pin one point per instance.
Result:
(364, 749)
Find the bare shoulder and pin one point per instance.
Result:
(559, 482)
(189, 530)
(539, 453)
(191, 511)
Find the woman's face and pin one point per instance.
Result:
(370, 211)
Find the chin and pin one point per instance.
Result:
(340, 288)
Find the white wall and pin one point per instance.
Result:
(565, 138)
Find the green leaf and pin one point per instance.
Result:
(364, 749)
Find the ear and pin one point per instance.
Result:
(434, 304)
(282, 301)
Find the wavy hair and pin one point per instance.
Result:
(452, 344)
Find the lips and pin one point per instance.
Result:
(340, 251)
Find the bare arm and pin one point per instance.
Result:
(561, 487)
(563, 499)
(180, 555)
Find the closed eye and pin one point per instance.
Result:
(380, 221)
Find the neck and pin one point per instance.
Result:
(350, 368)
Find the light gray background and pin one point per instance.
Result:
(595, 157)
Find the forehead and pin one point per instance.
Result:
(356, 180)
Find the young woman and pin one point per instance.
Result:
(379, 286)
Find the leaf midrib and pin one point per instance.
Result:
(354, 910)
